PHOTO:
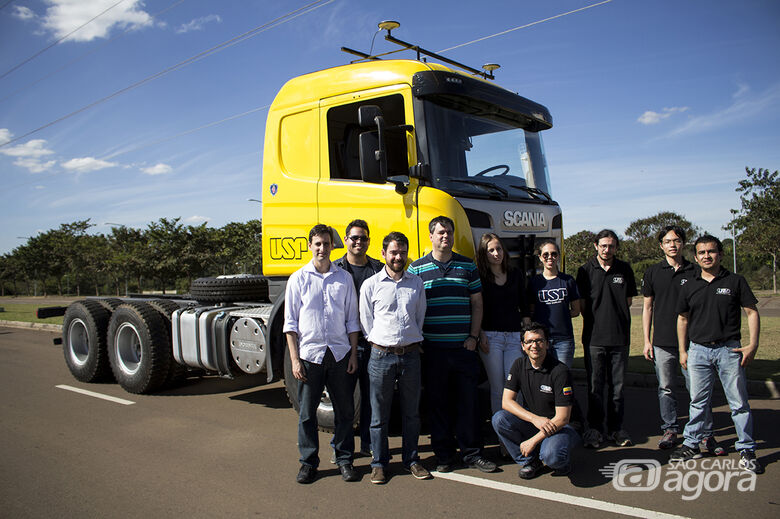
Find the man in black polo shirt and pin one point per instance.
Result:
(660, 288)
(606, 285)
(710, 317)
(537, 433)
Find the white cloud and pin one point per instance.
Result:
(5, 135)
(198, 23)
(157, 169)
(197, 219)
(87, 164)
(35, 148)
(23, 13)
(651, 117)
(64, 16)
(34, 165)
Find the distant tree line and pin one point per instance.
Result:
(164, 256)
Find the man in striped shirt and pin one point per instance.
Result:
(451, 364)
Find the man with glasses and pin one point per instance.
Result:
(606, 284)
(708, 333)
(537, 433)
(361, 267)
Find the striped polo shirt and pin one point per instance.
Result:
(448, 288)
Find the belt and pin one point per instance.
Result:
(397, 350)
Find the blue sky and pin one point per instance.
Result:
(657, 104)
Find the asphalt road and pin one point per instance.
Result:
(217, 448)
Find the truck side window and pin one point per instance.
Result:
(344, 132)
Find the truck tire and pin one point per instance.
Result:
(326, 418)
(138, 347)
(177, 373)
(229, 289)
(109, 303)
(84, 329)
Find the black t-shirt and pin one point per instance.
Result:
(504, 305)
(605, 312)
(715, 308)
(662, 283)
(359, 273)
(542, 389)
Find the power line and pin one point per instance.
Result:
(524, 26)
(58, 41)
(213, 50)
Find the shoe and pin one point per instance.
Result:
(378, 476)
(685, 453)
(531, 469)
(668, 441)
(306, 475)
(748, 461)
(418, 471)
(711, 446)
(563, 471)
(592, 439)
(621, 438)
(483, 464)
(333, 458)
(368, 453)
(445, 466)
(348, 472)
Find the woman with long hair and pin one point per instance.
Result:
(503, 299)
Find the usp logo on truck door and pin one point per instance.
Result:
(288, 248)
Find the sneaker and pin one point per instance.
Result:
(378, 476)
(748, 461)
(418, 471)
(711, 446)
(333, 458)
(621, 438)
(306, 475)
(685, 453)
(531, 469)
(592, 439)
(348, 472)
(445, 466)
(483, 464)
(668, 441)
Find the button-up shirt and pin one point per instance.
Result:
(322, 309)
(392, 312)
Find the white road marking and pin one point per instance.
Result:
(586, 502)
(96, 395)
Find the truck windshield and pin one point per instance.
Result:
(484, 156)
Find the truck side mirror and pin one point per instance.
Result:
(367, 115)
(370, 164)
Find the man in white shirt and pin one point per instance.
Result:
(392, 311)
(321, 325)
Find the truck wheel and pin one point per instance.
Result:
(326, 418)
(229, 289)
(109, 303)
(84, 341)
(177, 373)
(138, 347)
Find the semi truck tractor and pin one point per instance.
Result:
(395, 142)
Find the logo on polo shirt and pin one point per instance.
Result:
(545, 389)
(509, 377)
(723, 291)
(618, 280)
(567, 391)
(683, 281)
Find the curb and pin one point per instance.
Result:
(755, 388)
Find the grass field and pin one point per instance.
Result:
(765, 366)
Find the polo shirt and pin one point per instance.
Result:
(606, 316)
(662, 283)
(715, 308)
(542, 389)
(448, 290)
(504, 305)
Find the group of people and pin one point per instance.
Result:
(359, 320)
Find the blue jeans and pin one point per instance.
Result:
(704, 362)
(451, 377)
(605, 366)
(554, 451)
(384, 369)
(667, 360)
(562, 348)
(340, 384)
(505, 347)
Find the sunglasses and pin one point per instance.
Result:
(358, 238)
(546, 255)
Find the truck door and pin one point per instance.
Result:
(342, 196)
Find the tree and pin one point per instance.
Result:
(167, 240)
(757, 222)
(641, 243)
(578, 248)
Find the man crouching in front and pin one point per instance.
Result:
(538, 433)
(321, 325)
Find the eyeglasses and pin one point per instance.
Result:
(538, 342)
(357, 238)
(546, 255)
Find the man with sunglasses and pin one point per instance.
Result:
(361, 267)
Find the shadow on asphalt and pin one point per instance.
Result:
(271, 397)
